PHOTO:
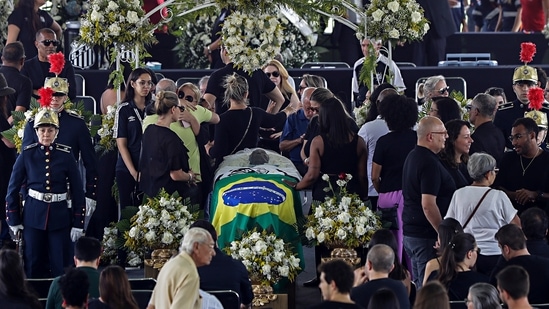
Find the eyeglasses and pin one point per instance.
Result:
(496, 170)
(144, 83)
(187, 98)
(181, 108)
(48, 42)
(313, 109)
(517, 136)
(274, 74)
(443, 90)
(441, 132)
(467, 301)
(477, 249)
(302, 87)
(495, 91)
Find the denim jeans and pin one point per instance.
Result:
(420, 251)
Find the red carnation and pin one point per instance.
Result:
(527, 51)
(57, 62)
(536, 98)
(46, 95)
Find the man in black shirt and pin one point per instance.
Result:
(13, 58)
(512, 242)
(37, 68)
(427, 188)
(534, 226)
(379, 263)
(258, 84)
(487, 137)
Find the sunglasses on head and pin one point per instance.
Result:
(443, 90)
(187, 98)
(274, 74)
(48, 42)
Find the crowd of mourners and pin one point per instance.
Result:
(466, 186)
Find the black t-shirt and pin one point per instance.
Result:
(391, 152)
(258, 84)
(459, 174)
(128, 124)
(458, 288)
(27, 32)
(538, 272)
(362, 293)
(163, 151)
(510, 176)
(97, 304)
(335, 305)
(313, 129)
(488, 138)
(538, 247)
(423, 173)
(233, 125)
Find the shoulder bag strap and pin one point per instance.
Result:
(245, 132)
(476, 208)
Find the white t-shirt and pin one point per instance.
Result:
(370, 133)
(209, 301)
(495, 211)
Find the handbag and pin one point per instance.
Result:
(389, 217)
(245, 132)
(476, 208)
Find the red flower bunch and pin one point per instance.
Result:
(342, 176)
(46, 95)
(57, 63)
(536, 98)
(527, 51)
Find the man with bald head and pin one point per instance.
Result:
(427, 188)
(291, 139)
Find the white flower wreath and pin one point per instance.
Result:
(251, 40)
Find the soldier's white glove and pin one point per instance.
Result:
(16, 228)
(76, 233)
(90, 206)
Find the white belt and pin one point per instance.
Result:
(47, 197)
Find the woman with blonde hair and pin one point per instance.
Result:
(278, 74)
(238, 127)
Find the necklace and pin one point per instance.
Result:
(527, 166)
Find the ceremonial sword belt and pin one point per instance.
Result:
(47, 197)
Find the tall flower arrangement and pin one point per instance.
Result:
(251, 40)
(116, 25)
(395, 21)
(6, 7)
(341, 220)
(107, 142)
(266, 257)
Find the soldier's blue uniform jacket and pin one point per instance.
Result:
(509, 112)
(46, 170)
(74, 133)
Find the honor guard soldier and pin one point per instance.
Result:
(46, 222)
(73, 132)
(525, 77)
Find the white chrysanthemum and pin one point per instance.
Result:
(416, 17)
(167, 238)
(344, 217)
(260, 246)
(360, 230)
(341, 234)
(114, 30)
(394, 34)
(393, 6)
(96, 16)
(112, 6)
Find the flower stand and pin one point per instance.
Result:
(159, 257)
(349, 255)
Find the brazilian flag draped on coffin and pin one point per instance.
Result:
(253, 197)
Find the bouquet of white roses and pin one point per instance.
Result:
(251, 40)
(266, 257)
(361, 112)
(341, 220)
(107, 142)
(159, 223)
(395, 20)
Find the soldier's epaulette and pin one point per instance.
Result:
(505, 106)
(30, 146)
(63, 148)
(74, 114)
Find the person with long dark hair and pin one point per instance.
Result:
(128, 132)
(445, 109)
(14, 290)
(455, 154)
(7, 156)
(456, 266)
(115, 290)
(25, 20)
